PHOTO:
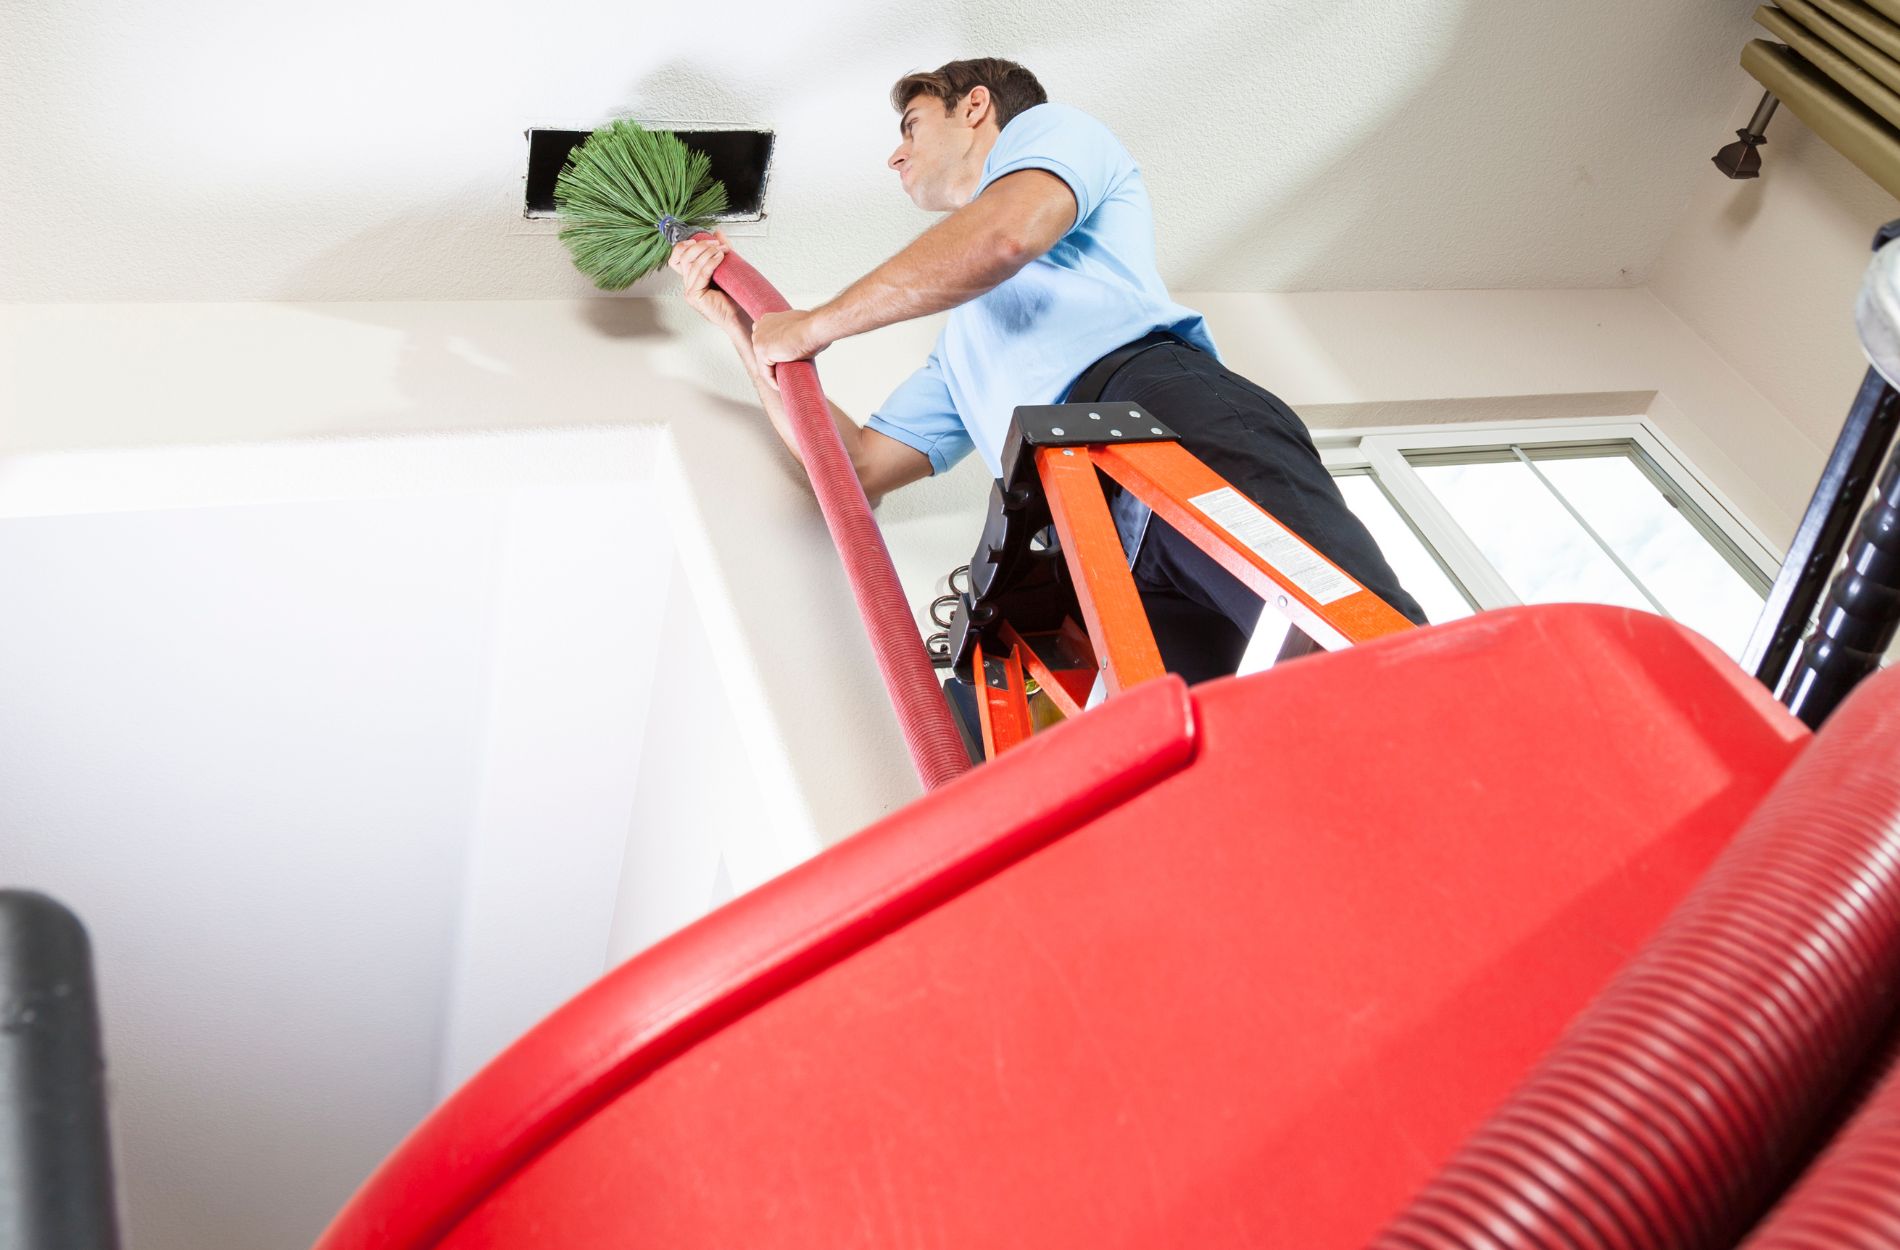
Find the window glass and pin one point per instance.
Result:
(1523, 530)
(1694, 581)
(1578, 523)
(1419, 571)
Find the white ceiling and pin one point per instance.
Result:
(372, 149)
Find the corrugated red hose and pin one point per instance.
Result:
(936, 749)
(1680, 1101)
(1851, 1196)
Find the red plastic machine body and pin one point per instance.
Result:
(1239, 965)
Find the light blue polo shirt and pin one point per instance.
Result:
(1027, 340)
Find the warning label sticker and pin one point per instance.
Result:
(1275, 544)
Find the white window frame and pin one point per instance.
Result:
(1381, 452)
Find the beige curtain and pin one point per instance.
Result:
(1837, 67)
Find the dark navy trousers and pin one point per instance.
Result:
(1202, 615)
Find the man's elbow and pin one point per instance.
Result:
(880, 477)
(1010, 250)
(1015, 243)
(871, 479)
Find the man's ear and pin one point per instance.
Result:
(976, 106)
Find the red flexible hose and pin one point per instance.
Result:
(1851, 1196)
(1677, 1105)
(936, 749)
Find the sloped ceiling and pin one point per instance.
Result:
(230, 150)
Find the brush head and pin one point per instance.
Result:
(627, 195)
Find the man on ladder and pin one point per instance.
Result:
(1045, 261)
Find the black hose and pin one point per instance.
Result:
(1860, 613)
(55, 1162)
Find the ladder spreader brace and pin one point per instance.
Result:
(1051, 557)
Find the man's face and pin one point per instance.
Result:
(933, 158)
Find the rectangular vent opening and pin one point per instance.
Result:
(740, 159)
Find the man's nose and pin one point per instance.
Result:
(897, 159)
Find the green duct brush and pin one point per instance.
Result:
(628, 194)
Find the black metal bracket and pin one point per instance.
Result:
(1074, 425)
(1017, 573)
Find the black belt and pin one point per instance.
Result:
(1094, 380)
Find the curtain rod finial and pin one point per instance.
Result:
(1742, 159)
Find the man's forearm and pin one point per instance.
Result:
(774, 404)
(974, 250)
(953, 262)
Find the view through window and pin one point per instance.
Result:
(1471, 523)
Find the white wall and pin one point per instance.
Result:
(334, 745)
(104, 376)
(1402, 357)
(243, 743)
(583, 574)
(694, 805)
(1766, 269)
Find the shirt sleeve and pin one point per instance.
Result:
(921, 414)
(1067, 143)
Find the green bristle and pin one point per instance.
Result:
(613, 191)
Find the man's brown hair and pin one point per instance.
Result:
(1012, 88)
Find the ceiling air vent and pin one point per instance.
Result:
(740, 159)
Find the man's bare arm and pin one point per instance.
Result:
(973, 250)
(883, 464)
